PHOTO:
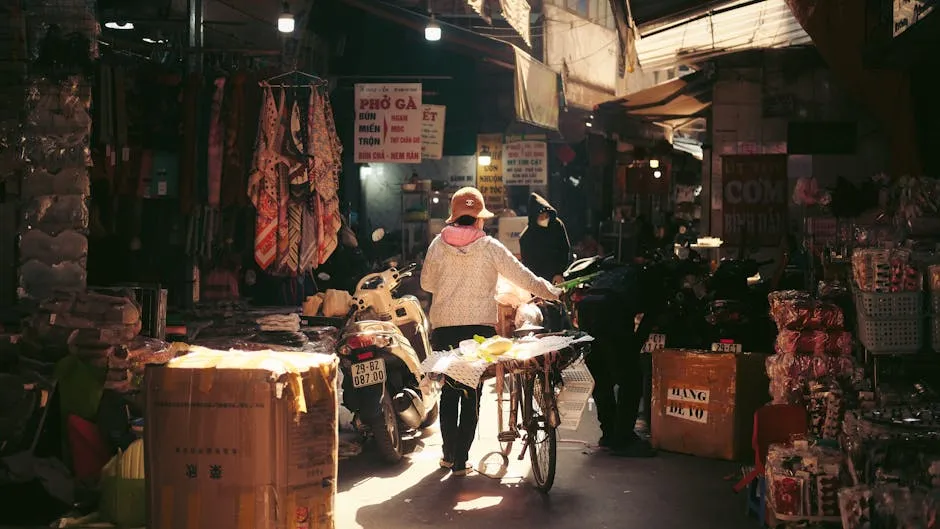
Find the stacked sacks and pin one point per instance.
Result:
(281, 329)
(55, 187)
(98, 329)
(813, 365)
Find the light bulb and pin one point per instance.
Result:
(485, 159)
(124, 26)
(654, 164)
(657, 174)
(285, 23)
(432, 32)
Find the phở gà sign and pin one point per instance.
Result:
(754, 198)
(388, 123)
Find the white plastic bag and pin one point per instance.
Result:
(509, 294)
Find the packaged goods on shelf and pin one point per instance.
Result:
(933, 278)
(885, 271)
(897, 445)
(246, 436)
(803, 482)
(865, 507)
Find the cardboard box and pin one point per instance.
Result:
(703, 403)
(242, 440)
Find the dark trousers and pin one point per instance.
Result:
(646, 410)
(460, 404)
(614, 362)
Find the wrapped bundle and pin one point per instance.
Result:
(833, 343)
(789, 374)
(775, 299)
(933, 277)
(807, 314)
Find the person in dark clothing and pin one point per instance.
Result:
(544, 243)
(614, 360)
(346, 266)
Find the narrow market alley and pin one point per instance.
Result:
(592, 489)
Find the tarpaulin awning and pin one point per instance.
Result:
(686, 97)
(738, 25)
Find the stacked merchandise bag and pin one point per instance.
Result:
(803, 482)
(933, 283)
(100, 330)
(813, 365)
(281, 329)
(888, 300)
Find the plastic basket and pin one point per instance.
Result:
(887, 336)
(889, 305)
(574, 394)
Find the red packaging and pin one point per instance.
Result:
(819, 343)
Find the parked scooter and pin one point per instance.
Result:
(381, 350)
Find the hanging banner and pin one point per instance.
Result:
(754, 201)
(909, 12)
(432, 132)
(516, 12)
(536, 92)
(525, 163)
(490, 177)
(388, 123)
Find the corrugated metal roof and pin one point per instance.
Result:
(646, 11)
(752, 25)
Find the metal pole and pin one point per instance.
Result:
(195, 34)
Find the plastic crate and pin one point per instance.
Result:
(889, 305)
(888, 336)
(574, 394)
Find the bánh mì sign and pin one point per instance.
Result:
(754, 198)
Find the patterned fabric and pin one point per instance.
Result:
(294, 182)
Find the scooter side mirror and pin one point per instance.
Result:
(378, 234)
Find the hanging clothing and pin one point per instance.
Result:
(294, 181)
(216, 145)
(233, 167)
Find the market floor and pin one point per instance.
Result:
(592, 489)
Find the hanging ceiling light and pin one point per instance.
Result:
(433, 30)
(484, 157)
(285, 23)
(654, 164)
(124, 26)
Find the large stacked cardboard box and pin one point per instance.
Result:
(242, 440)
(704, 403)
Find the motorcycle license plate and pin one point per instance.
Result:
(722, 347)
(654, 342)
(368, 373)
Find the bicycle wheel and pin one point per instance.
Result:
(541, 439)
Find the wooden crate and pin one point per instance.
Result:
(703, 403)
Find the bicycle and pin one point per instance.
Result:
(533, 415)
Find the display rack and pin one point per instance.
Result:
(415, 210)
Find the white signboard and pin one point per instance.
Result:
(388, 123)
(654, 343)
(432, 132)
(909, 12)
(687, 412)
(510, 228)
(525, 163)
(687, 403)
